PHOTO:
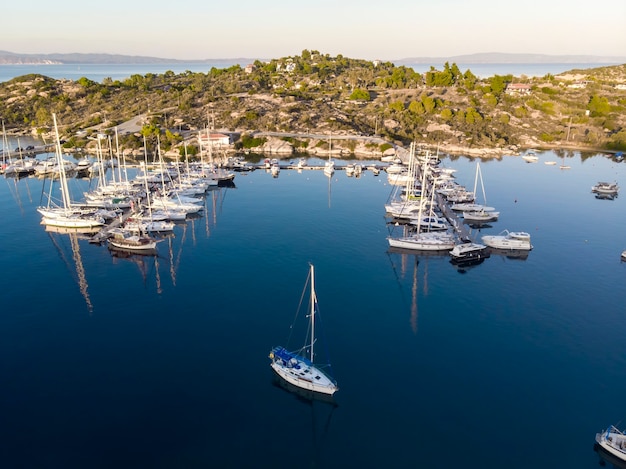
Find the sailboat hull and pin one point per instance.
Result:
(290, 375)
(300, 372)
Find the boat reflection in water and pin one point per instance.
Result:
(464, 265)
(303, 394)
(143, 261)
(321, 407)
(608, 460)
(410, 261)
(513, 254)
(74, 234)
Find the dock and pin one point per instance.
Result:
(460, 228)
(102, 235)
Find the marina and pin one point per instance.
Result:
(121, 358)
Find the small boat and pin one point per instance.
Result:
(298, 367)
(623, 256)
(469, 251)
(509, 240)
(470, 207)
(610, 188)
(124, 239)
(350, 169)
(480, 215)
(374, 169)
(275, 169)
(329, 168)
(613, 442)
(430, 222)
(530, 157)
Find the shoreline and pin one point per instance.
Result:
(275, 145)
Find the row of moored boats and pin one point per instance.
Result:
(129, 213)
(428, 204)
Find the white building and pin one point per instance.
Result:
(207, 139)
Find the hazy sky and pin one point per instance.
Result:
(364, 29)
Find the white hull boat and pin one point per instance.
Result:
(122, 239)
(423, 242)
(509, 240)
(468, 251)
(610, 188)
(298, 368)
(613, 442)
(480, 216)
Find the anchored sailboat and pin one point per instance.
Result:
(299, 368)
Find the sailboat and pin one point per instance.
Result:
(422, 241)
(298, 367)
(481, 214)
(66, 216)
(329, 166)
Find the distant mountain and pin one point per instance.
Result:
(10, 58)
(7, 58)
(504, 58)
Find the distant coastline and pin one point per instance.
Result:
(98, 72)
(8, 58)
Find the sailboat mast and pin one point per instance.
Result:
(62, 177)
(313, 302)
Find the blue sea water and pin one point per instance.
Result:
(162, 362)
(98, 72)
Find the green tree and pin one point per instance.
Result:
(428, 103)
(360, 95)
(446, 114)
(416, 107)
(598, 106)
(397, 106)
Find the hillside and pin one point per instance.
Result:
(316, 93)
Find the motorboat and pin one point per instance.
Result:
(480, 215)
(470, 207)
(275, 169)
(468, 251)
(329, 168)
(613, 441)
(509, 240)
(530, 157)
(605, 188)
(430, 222)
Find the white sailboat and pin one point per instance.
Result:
(329, 166)
(613, 441)
(422, 241)
(66, 216)
(484, 213)
(298, 367)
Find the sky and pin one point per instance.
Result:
(266, 29)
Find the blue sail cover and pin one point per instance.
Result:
(286, 356)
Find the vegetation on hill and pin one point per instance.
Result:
(317, 93)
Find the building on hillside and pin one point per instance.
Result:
(578, 84)
(517, 88)
(207, 139)
(249, 68)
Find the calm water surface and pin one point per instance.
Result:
(162, 362)
(98, 72)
